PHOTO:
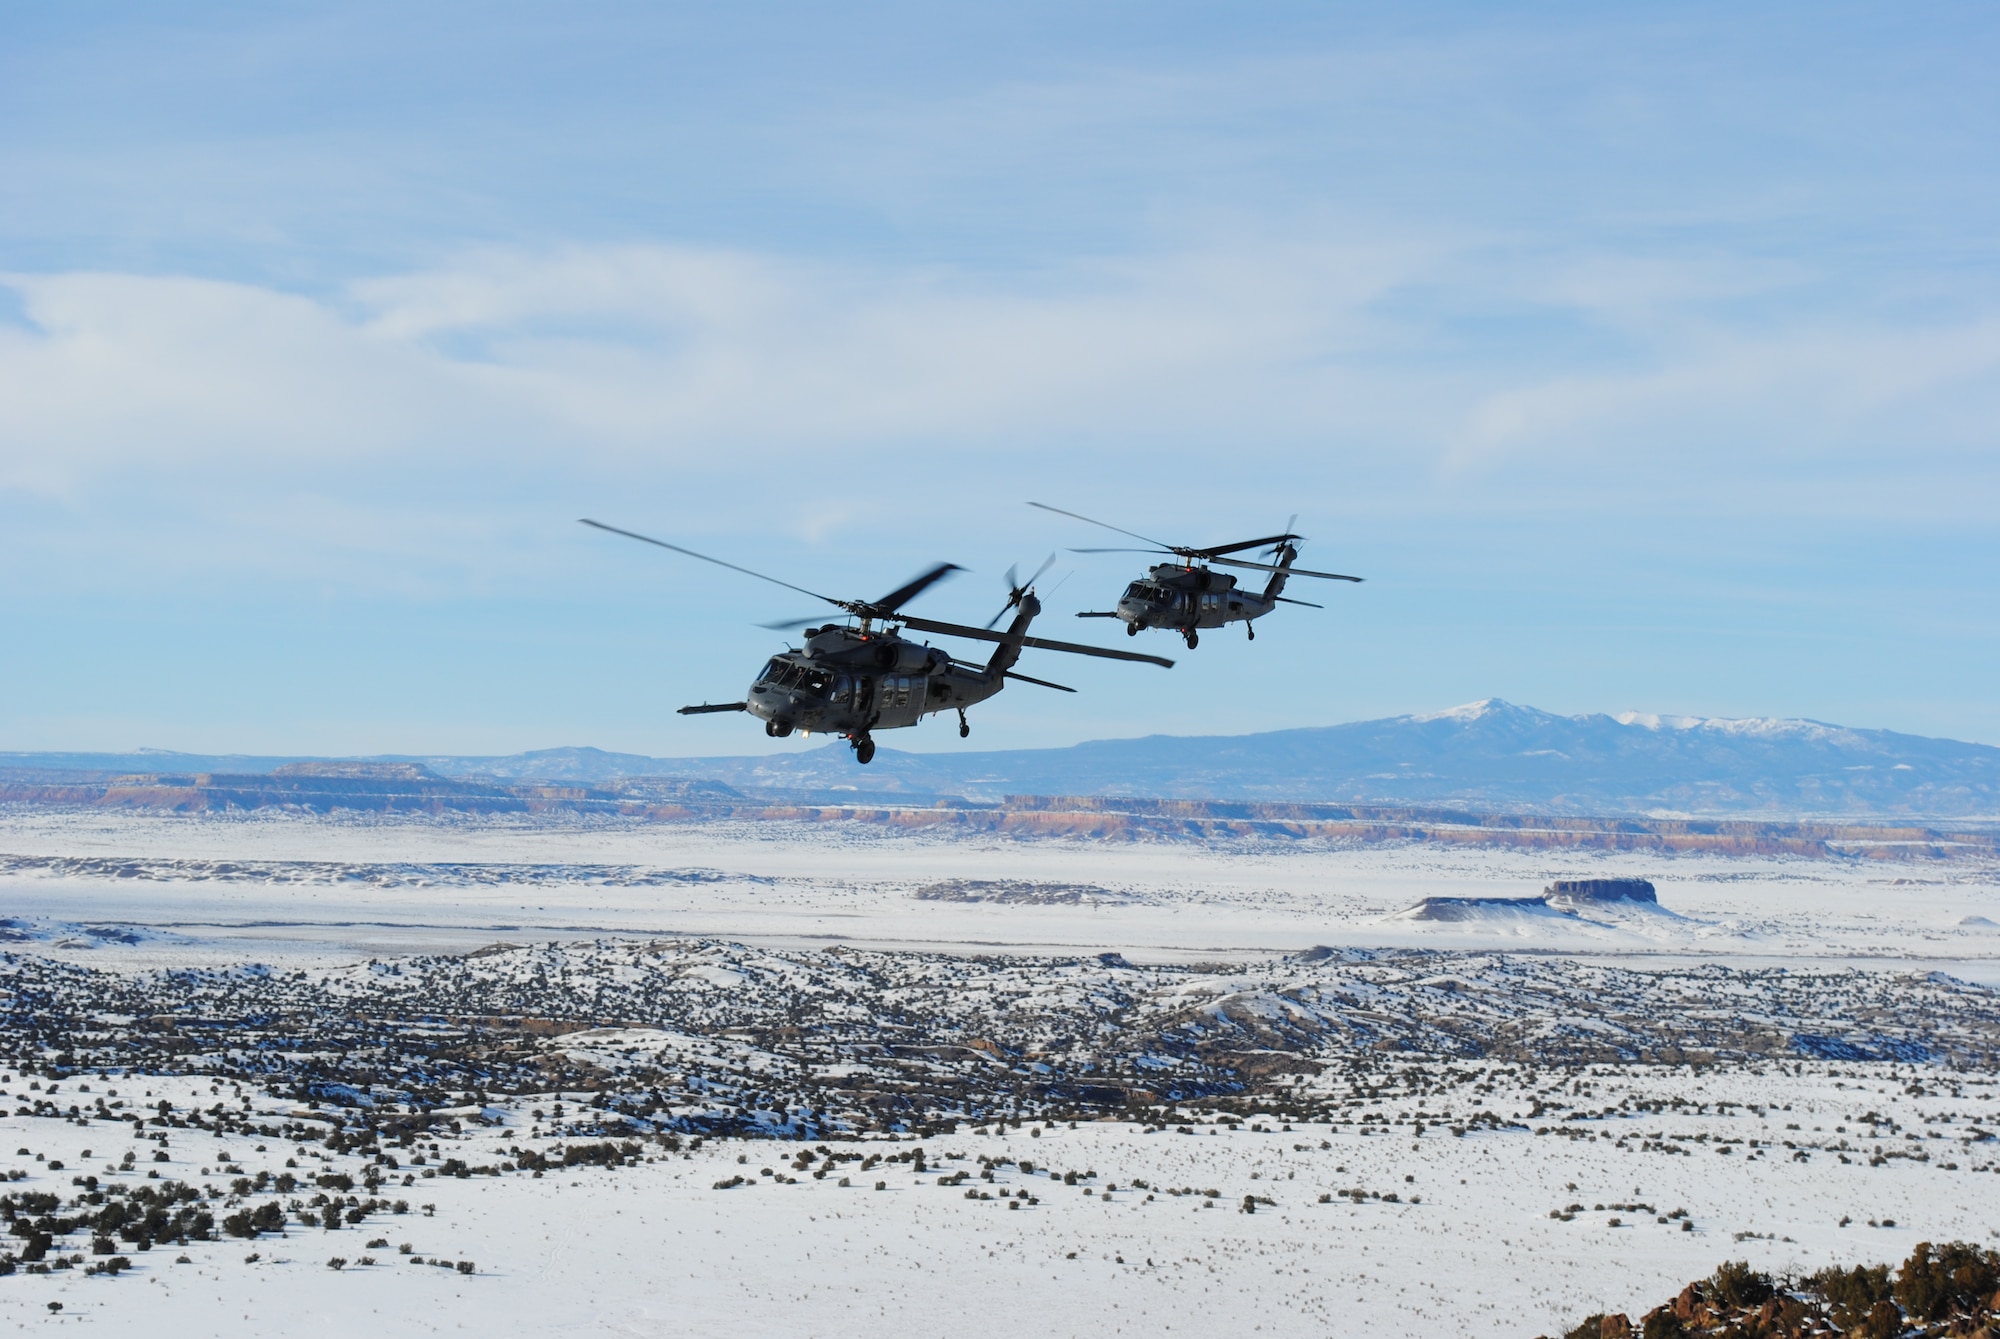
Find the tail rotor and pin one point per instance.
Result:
(1276, 552)
(1017, 590)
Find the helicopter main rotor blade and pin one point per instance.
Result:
(1041, 683)
(661, 543)
(791, 624)
(1104, 524)
(982, 634)
(1218, 550)
(1164, 553)
(903, 594)
(1289, 571)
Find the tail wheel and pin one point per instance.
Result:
(864, 750)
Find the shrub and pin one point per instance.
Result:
(1852, 1292)
(1663, 1325)
(1936, 1281)
(1737, 1285)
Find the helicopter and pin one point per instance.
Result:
(853, 680)
(1187, 596)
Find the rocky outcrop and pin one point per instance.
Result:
(1947, 1290)
(1570, 894)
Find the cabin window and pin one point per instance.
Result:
(817, 682)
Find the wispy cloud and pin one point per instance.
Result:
(639, 355)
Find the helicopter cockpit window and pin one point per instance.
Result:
(817, 682)
(771, 672)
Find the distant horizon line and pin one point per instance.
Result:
(1655, 721)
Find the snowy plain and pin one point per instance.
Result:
(1766, 1158)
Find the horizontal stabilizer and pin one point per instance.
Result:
(1040, 683)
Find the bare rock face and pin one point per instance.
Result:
(1567, 893)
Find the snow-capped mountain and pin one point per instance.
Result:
(1488, 753)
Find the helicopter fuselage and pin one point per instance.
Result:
(1181, 598)
(849, 682)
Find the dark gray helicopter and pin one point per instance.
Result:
(854, 680)
(1187, 596)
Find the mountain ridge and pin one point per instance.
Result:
(1490, 753)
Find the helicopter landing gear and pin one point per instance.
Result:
(864, 750)
(777, 729)
(1131, 629)
(964, 726)
(1251, 630)
(1193, 639)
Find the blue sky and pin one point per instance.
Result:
(1642, 358)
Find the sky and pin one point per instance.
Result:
(1640, 357)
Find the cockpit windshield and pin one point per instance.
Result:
(782, 673)
(802, 678)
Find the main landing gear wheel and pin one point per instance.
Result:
(1193, 639)
(777, 729)
(1131, 629)
(864, 750)
(1252, 631)
(964, 726)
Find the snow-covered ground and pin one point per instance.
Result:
(1468, 1246)
(1766, 1155)
(282, 886)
